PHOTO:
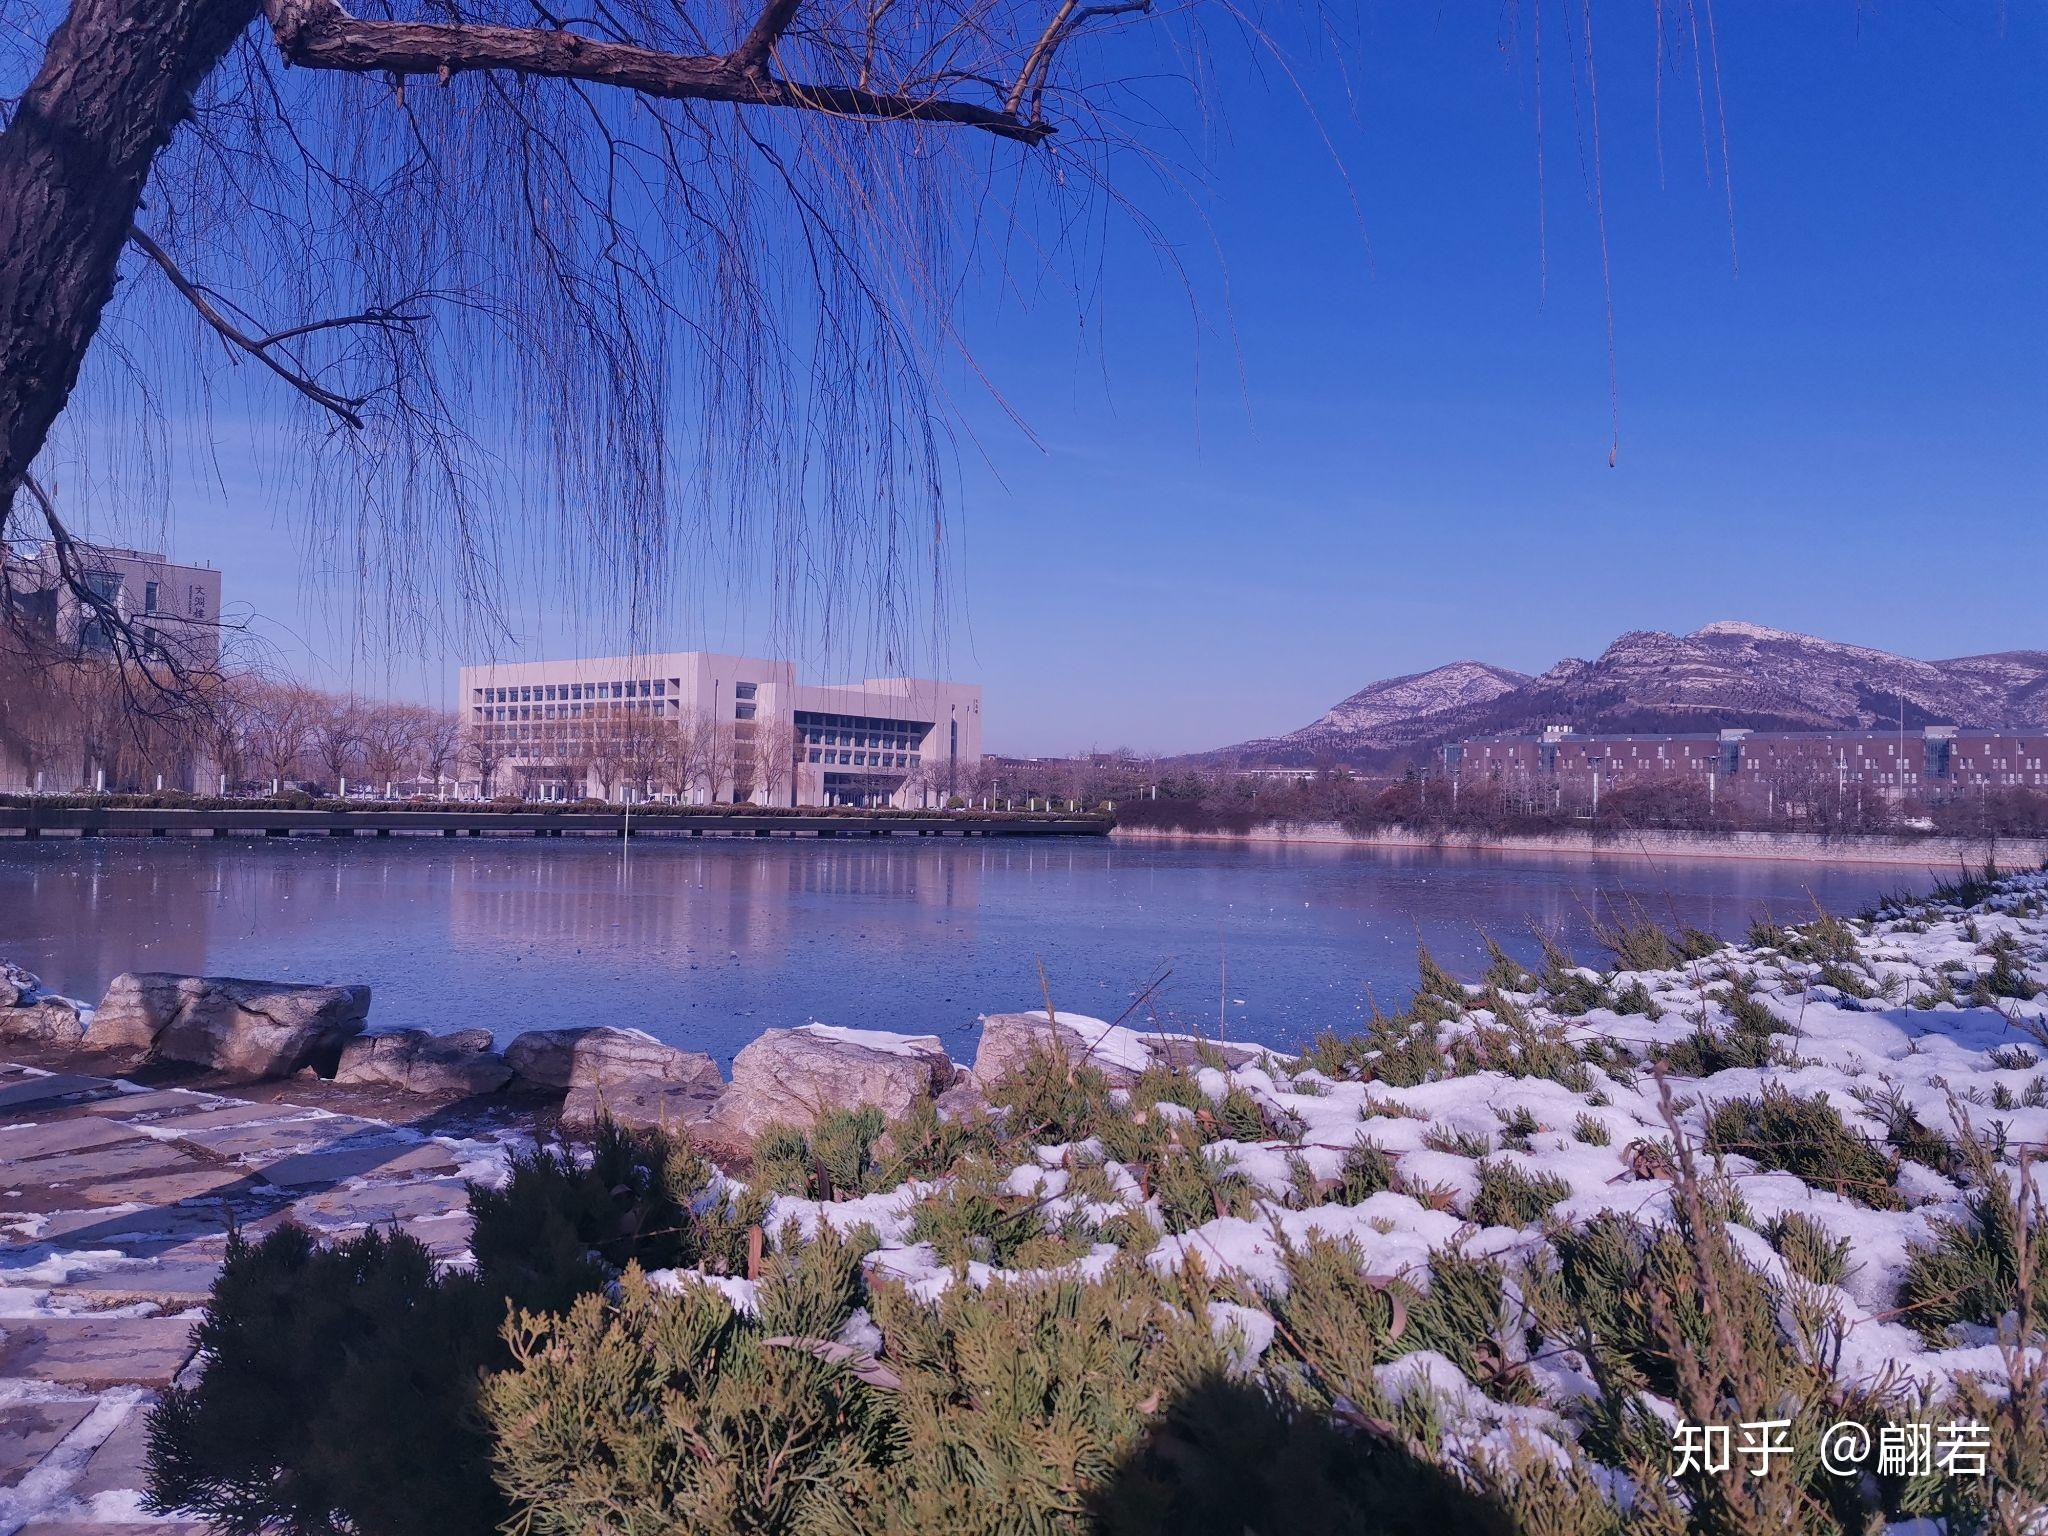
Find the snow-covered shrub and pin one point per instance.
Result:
(1806, 1137)
(1510, 1197)
(1808, 1249)
(1980, 1269)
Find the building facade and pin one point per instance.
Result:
(1931, 765)
(72, 727)
(699, 727)
(174, 610)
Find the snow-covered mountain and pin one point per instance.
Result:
(1725, 674)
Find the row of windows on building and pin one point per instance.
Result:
(541, 693)
(818, 729)
(551, 730)
(864, 759)
(567, 711)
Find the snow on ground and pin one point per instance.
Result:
(1917, 1014)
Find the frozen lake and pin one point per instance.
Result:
(706, 944)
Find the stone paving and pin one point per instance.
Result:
(115, 1204)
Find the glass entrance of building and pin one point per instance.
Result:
(862, 789)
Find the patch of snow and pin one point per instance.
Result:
(880, 1040)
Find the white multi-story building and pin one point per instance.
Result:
(697, 726)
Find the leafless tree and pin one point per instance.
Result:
(640, 733)
(746, 764)
(440, 744)
(704, 257)
(482, 752)
(559, 747)
(711, 754)
(977, 779)
(96, 702)
(676, 757)
(775, 749)
(281, 725)
(37, 722)
(335, 736)
(227, 721)
(388, 737)
(606, 747)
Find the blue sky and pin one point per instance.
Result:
(1395, 449)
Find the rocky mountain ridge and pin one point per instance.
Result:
(1725, 674)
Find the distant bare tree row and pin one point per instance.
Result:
(85, 725)
(1149, 791)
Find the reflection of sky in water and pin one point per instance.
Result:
(708, 943)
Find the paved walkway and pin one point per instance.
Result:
(115, 1202)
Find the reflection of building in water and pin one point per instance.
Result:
(202, 907)
(929, 876)
(696, 726)
(665, 898)
(640, 902)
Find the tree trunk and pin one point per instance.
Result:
(116, 79)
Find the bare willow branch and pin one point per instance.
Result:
(319, 34)
(346, 407)
(1066, 21)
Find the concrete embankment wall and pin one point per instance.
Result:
(1942, 855)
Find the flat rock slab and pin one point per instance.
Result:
(173, 1285)
(154, 1101)
(444, 1236)
(215, 1115)
(121, 1464)
(115, 1528)
(95, 1351)
(381, 1204)
(30, 1431)
(98, 1165)
(32, 1092)
(151, 1224)
(275, 1136)
(190, 1180)
(668, 1106)
(368, 1160)
(49, 1137)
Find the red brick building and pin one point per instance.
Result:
(1561, 768)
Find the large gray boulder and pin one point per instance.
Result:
(793, 1076)
(621, 1073)
(563, 1058)
(414, 1061)
(249, 1028)
(30, 1014)
(1010, 1039)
